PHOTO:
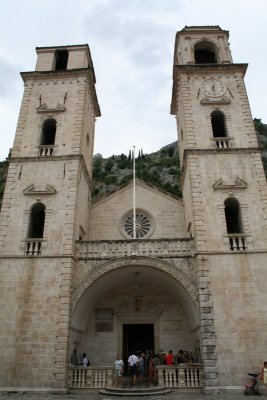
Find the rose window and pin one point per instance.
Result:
(144, 225)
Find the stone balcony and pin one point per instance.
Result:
(160, 248)
(185, 376)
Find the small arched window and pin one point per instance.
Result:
(36, 222)
(205, 53)
(61, 57)
(218, 124)
(48, 132)
(233, 216)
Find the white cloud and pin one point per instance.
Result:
(132, 44)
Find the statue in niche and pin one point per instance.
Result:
(138, 304)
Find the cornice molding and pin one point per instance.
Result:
(31, 191)
(238, 184)
(44, 109)
(215, 100)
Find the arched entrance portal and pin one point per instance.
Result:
(134, 305)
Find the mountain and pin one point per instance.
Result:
(161, 169)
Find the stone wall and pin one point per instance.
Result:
(166, 211)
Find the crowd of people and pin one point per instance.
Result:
(142, 366)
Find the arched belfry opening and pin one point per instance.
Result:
(218, 124)
(36, 222)
(233, 216)
(48, 132)
(61, 60)
(205, 52)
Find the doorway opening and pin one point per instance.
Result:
(137, 338)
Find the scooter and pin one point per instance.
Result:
(252, 388)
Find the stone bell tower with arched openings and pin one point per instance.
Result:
(225, 199)
(45, 209)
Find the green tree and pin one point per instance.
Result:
(109, 165)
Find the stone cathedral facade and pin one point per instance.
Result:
(73, 277)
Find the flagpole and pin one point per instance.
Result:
(134, 208)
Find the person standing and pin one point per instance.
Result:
(169, 358)
(85, 361)
(132, 362)
(74, 358)
(141, 367)
(151, 368)
(118, 365)
(156, 362)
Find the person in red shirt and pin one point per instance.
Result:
(169, 358)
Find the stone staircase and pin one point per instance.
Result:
(135, 391)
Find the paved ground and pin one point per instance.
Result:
(96, 396)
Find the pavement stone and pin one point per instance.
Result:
(175, 395)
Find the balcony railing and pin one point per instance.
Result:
(90, 377)
(180, 376)
(237, 241)
(46, 150)
(222, 142)
(106, 249)
(184, 376)
(33, 247)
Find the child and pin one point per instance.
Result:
(118, 365)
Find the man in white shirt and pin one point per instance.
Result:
(132, 362)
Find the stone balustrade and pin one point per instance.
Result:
(33, 247)
(237, 241)
(106, 249)
(90, 377)
(46, 150)
(181, 376)
(222, 142)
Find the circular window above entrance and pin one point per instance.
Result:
(145, 224)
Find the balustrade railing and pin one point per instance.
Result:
(237, 242)
(46, 150)
(123, 248)
(33, 247)
(184, 376)
(181, 376)
(222, 142)
(90, 377)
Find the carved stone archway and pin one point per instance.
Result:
(111, 265)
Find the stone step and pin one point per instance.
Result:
(134, 392)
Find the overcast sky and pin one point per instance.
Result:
(132, 44)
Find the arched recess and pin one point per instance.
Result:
(122, 270)
(233, 216)
(218, 124)
(36, 221)
(205, 52)
(48, 132)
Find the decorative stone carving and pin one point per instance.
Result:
(215, 100)
(30, 190)
(43, 108)
(238, 184)
(145, 224)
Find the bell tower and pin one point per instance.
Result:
(225, 198)
(45, 209)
